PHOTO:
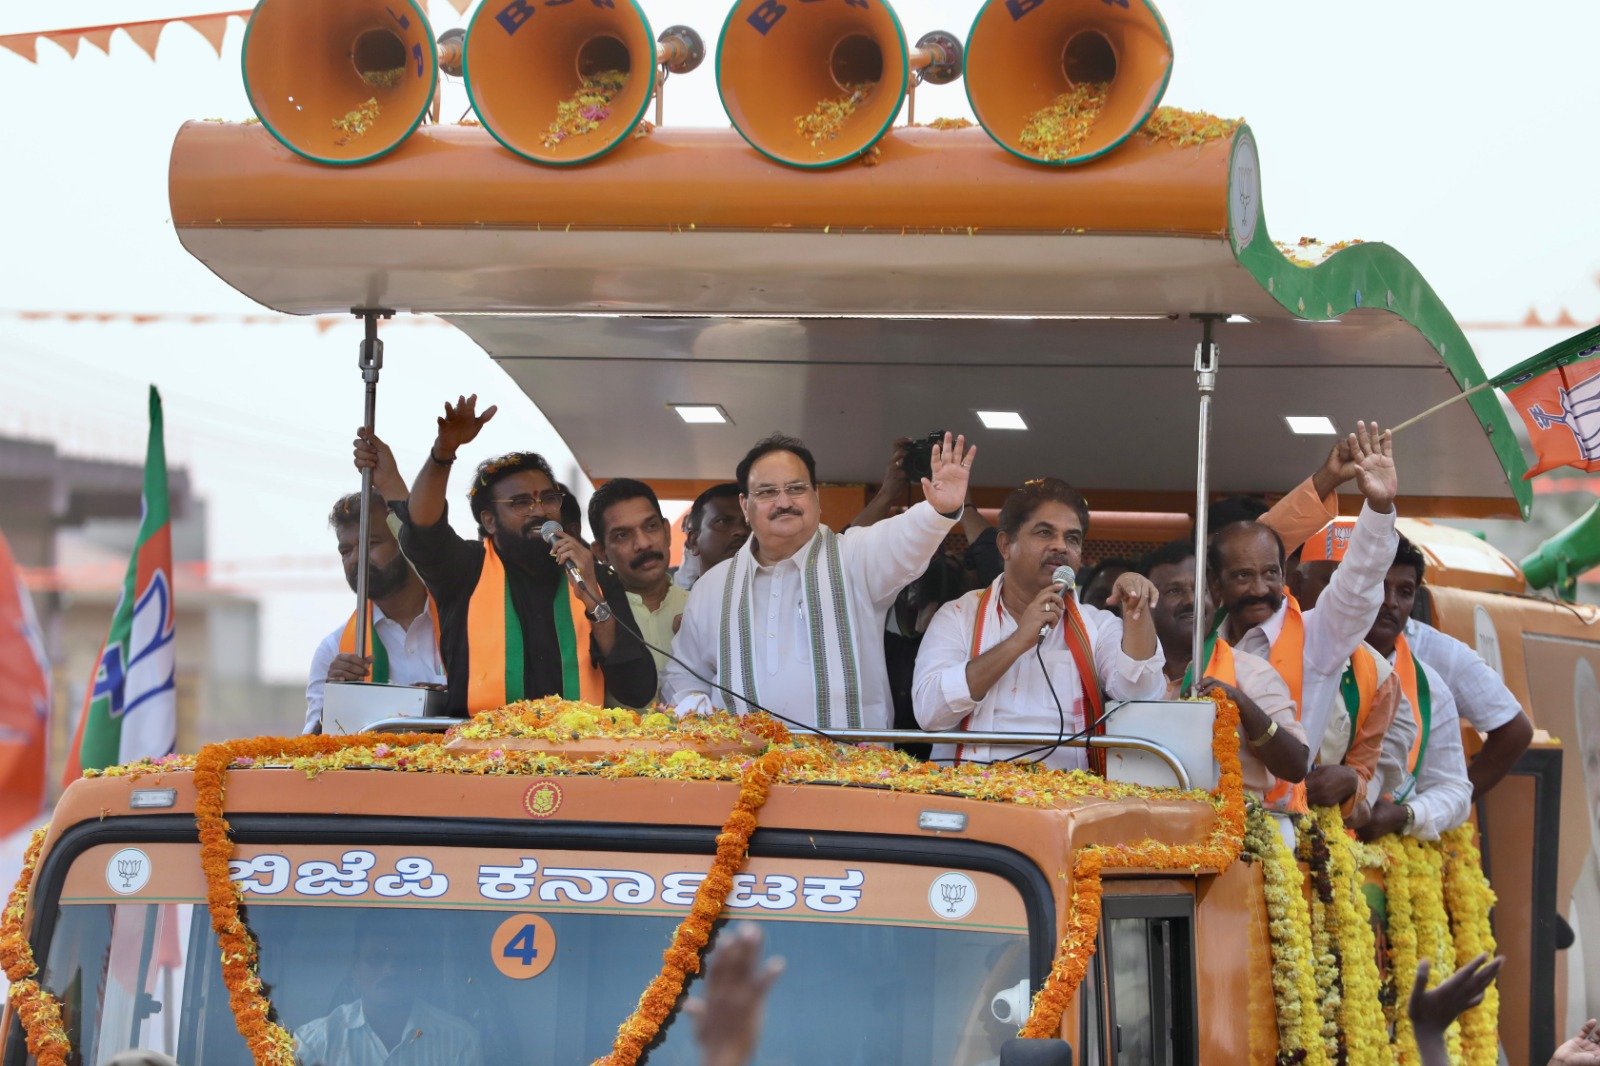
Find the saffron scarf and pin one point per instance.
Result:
(1414, 683)
(495, 643)
(836, 670)
(375, 648)
(1075, 638)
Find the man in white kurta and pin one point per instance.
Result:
(990, 659)
(793, 622)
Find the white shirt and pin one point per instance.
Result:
(413, 656)
(1441, 796)
(878, 561)
(1482, 698)
(1021, 700)
(431, 1038)
(1339, 622)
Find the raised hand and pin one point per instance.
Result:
(459, 426)
(1041, 613)
(727, 1021)
(894, 475)
(567, 548)
(952, 466)
(1373, 449)
(1581, 1050)
(1135, 594)
(1432, 1010)
(372, 454)
(1337, 469)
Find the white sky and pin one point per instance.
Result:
(1462, 134)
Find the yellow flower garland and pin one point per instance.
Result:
(1361, 1020)
(1083, 919)
(1289, 923)
(39, 1011)
(1469, 900)
(1313, 845)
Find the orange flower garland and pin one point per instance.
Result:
(1083, 919)
(39, 1011)
(269, 1042)
(682, 956)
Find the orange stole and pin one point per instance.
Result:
(495, 643)
(1076, 638)
(1405, 665)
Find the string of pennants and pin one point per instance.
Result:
(145, 34)
(323, 323)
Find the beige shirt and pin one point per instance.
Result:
(1259, 681)
(658, 626)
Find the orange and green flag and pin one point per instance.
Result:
(131, 708)
(1557, 393)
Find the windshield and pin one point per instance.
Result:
(530, 955)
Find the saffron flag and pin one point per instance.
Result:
(1557, 393)
(24, 701)
(131, 708)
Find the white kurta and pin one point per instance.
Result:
(1339, 622)
(413, 656)
(1441, 795)
(1481, 695)
(878, 561)
(1021, 700)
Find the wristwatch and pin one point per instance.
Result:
(601, 612)
(1411, 818)
(1261, 741)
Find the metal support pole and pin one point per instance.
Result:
(371, 362)
(1205, 379)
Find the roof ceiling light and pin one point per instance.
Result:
(1311, 425)
(1001, 420)
(702, 414)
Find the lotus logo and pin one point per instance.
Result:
(953, 895)
(128, 871)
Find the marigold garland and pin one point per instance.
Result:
(38, 1010)
(1361, 1022)
(1289, 923)
(1083, 918)
(1433, 929)
(1313, 847)
(1469, 900)
(1402, 877)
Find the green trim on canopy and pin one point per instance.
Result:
(1374, 275)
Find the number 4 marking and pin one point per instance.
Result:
(522, 946)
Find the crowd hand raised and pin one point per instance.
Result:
(460, 425)
(1373, 450)
(728, 1016)
(1433, 1009)
(952, 466)
(348, 667)
(894, 475)
(1135, 594)
(1581, 1050)
(1337, 469)
(1044, 611)
(373, 454)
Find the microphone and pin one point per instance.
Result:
(1066, 578)
(602, 611)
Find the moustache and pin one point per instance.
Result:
(1390, 619)
(646, 557)
(1269, 601)
(782, 511)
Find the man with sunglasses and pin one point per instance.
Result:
(793, 621)
(512, 625)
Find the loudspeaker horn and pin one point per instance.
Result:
(1062, 82)
(565, 84)
(817, 84)
(340, 82)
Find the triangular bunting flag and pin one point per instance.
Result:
(461, 6)
(100, 38)
(68, 40)
(145, 35)
(25, 45)
(213, 28)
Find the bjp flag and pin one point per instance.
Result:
(1557, 393)
(24, 701)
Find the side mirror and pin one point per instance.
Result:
(1020, 1052)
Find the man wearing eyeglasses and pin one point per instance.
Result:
(512, 626)
(793, 621)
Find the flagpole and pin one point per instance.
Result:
(371, 362)
(1457, 398)
(1205, 379)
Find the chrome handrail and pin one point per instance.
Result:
(895, 736)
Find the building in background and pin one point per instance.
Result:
(72, 523)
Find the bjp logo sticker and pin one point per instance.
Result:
(543, 799)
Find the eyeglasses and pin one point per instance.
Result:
(527, 504)
(767, 493)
